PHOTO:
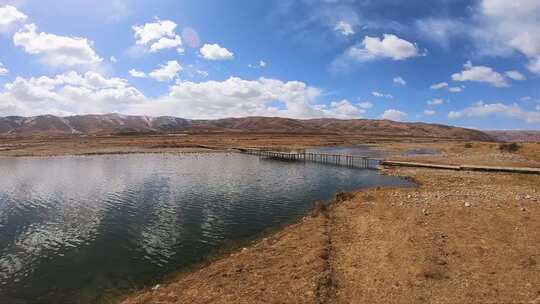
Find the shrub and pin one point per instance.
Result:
(510, 148)
(468, 145)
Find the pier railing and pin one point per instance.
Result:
(351, 161)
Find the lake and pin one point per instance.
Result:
(75, 228)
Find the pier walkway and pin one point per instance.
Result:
(351, 161)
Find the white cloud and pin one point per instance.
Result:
(497, 28)
(429, 112)
(436, 102)
(9, 15)
(515, 75)
(440, 30)
(3, 71)
(154, 31)
(534, 65)
(480, 74)
(341, 109)
(395, 115)
(344, 28)
(56, 51)
(481, 109)
(72, 93)
(236, 97)
(455, 89)
(365, 105)
(216, 52)
(158, 35)
(167, 43)
(113, 59)
(382, 95)
(526, 98)
(202, 73)
(439, 85)
(69, 93)
(399, 80)
(166, 72)
(390, 46)
(261, 64)
(137, 74)
(513, 25)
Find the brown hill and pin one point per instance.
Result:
(122, 124)
(516, 136)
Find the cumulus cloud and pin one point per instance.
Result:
(387, 47)
(236, 97)
(113, 59)
(55, 50)
(341, 109)
(153, 31)
(374, 48)
(66, 94)
(166, 72)
(73, 93)
(158, 35)
(399, 80)
(3, 71)
(10, 15)
(436, 102)
(395, 115)
(439, 86)
(167, 43)
(429, 112)
(216, 52)
(497, 28)
(515, 75)
(480, 74)
(137, 74)
(344, 28)
(513, 25)
(481, 109)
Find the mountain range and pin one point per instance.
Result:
(115, 124)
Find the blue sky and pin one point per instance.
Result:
(467, 63)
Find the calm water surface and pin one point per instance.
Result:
(74, 228)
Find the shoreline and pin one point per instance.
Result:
(456, 237)
(373, 234)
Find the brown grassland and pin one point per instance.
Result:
(458, 237)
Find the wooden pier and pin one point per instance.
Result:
(350, 161)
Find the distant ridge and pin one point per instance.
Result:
(111, 124)
(516, 135)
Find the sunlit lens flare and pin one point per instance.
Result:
(191, 37)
